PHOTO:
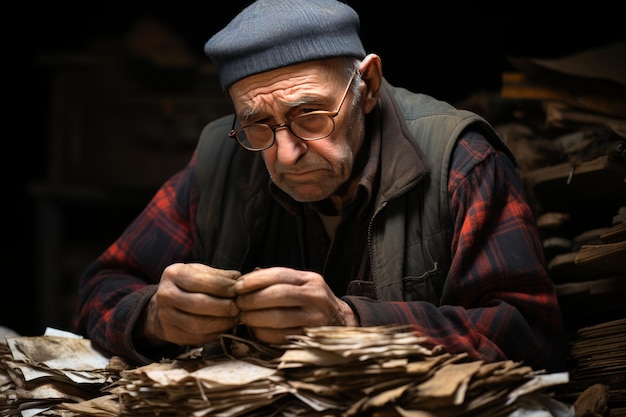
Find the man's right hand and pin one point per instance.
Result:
(193, 305)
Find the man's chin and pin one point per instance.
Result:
(306, 193)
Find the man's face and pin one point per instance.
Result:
(306, 170)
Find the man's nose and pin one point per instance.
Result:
(289, 147)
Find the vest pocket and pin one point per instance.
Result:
(426, 287)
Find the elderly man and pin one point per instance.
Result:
(329, 198)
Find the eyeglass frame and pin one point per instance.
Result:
(332, 114)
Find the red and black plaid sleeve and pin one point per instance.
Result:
(116, 286)
(498, 301)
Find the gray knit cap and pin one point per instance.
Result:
(270, 34)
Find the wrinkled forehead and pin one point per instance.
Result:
(299, 82)
(319, 74)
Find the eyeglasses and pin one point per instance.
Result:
(315, 125)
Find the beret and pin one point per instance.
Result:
(270, 34)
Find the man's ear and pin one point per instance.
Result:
(371, 71)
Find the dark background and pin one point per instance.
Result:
(448, 50)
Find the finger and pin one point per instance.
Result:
(214, 281)
(198, 278)
(262, 278)
(280, 318)
(226, 273)
(204, 305)
(275, 296)
(176, 318)
(201, 324)
(196, 330)
(169, 295)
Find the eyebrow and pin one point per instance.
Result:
(249, 112)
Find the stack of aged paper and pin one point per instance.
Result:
(385, 371)
(598, 357)
(328, 371)
(600, 349)
(38, 373)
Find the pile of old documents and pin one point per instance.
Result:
(328, 371)
(38, 373)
